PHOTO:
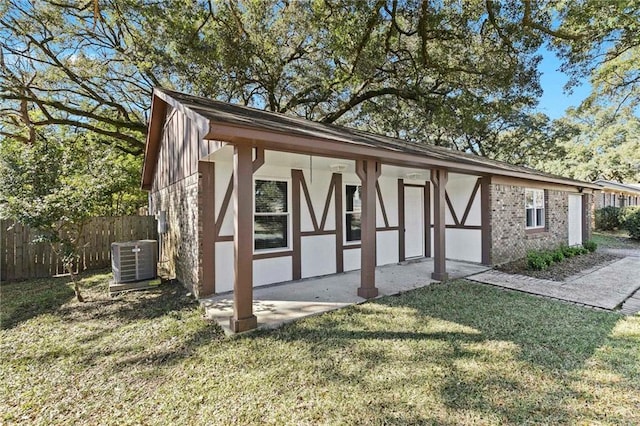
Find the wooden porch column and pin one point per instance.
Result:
(439, 179)
(368, 171)
(243, 318)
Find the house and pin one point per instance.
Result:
(254, 198)
(617, 194)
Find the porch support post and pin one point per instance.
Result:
(485, 214)
(243, 318)
(439, 179)
(368, 172)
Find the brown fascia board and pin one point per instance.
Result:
(285, 142)
(615, 186)
(152, 145)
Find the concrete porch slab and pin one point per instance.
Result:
(277, 304)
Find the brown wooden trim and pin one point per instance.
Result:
(413, 185)
(243, 318)
(339, 221)
(384, 211)
(451, 210)
(351, 246)
(327, 202)
(152, 146)
(273, 255)
(439, 179)
(307, 197)
(316, 233)
(297, 180)
(259, 160)
(469, 227)
(467, 210)
(427, 219)
(387, 228)
(224, 207)
(485, 212)
(224, 238)
(360, 171)
(208, 226)
(401, 230)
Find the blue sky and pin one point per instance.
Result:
(554, 101)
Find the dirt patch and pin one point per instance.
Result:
(562, 270)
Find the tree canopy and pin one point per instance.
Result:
(462, 74)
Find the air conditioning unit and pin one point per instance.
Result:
(134, 261)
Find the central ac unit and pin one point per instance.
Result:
(134, 261)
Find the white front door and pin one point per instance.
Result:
(575, 219)
(413, 221)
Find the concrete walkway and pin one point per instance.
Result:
(281, 303)
(607, 287)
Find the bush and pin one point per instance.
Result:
(630, 220)
(557, 255)
(608, 218)
(590, 245)
(567, 251)
(538, 260)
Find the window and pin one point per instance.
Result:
(271, 218)
(353, 212)
(534, 205)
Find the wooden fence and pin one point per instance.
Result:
(20, 259)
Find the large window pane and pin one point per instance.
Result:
(353, 226)
(270, 231)
(530, 216)
(539, 217)
(354, 202)
(271, 196)
(528, 194)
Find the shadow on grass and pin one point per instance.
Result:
(24, 300)
(553, 339)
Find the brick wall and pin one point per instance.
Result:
(509, 239)
(179, 255)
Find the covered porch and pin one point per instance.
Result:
(277, 304)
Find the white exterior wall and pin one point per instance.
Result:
(463, 244)
(318, 252)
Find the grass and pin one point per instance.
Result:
(615, 239)
(449, 354)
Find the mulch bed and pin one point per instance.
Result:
(562, 270)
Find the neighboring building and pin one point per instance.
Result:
(617, 194)
(253, 198)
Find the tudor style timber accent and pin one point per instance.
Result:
(439, 179)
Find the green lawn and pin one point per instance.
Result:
(449, 354)
(615, 239)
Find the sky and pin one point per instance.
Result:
(554, 101)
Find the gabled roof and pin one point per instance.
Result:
(608, 184)
(236, 123)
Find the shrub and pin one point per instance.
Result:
(567, 251)
(590, 245)
(607, 218)
(537, 260)
(557, 255)
(630, 220)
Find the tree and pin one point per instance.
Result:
(602, 143)
(334, 61)
(57, 183)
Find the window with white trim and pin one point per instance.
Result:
(534, 207)
(353, 212)
(271, 215)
